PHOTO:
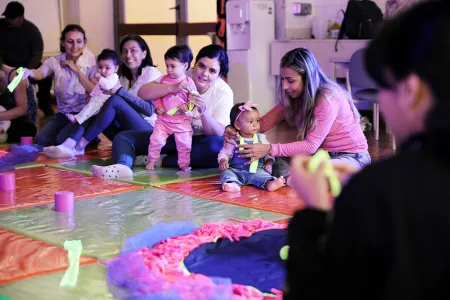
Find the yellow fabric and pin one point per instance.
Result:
(253, 165)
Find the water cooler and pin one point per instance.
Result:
(250, 31)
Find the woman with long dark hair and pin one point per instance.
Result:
(322, 112)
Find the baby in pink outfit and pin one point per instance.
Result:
(174, 110)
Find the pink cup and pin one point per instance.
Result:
(63, 201)
(26, 140)
(7, 181)
(8, 197)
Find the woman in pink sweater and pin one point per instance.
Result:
(322, 111)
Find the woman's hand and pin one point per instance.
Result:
(313, 187)
(69, 64)
(230, 136)
(27, 73)
(112, 91)
(253, 151)
(199, 102)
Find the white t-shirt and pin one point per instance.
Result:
(219, 101)
(148, 74)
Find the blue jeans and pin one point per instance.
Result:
(358, 160)
(55, 132)
(244, 177)
(116, 115)
(128, 144)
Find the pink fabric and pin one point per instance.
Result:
(174, 100)
(183, 139)
(165, 259)
(337, 129)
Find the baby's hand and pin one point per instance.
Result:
(184, 107)
(71, 118)
(268, 166)
(178, 87)
(159, 110)
(150, 166)
(97, 76)
(224, 165)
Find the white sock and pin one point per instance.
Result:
(112, 172)
(69, 143)
(59, 152)
(78, 152)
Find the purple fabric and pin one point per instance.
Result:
(156, 234)
(18, 154)
(129, 279)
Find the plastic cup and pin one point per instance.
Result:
(7, 181)
(26, 140)
(64, 201)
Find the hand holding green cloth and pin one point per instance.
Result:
(323, 156)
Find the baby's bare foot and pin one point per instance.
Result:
(274, 185)
(231, 187)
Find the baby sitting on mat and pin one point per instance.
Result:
(235, 172)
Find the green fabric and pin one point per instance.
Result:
(91, 285)
(74, 249)
(254, 164)
(141, 176)
(316, 160)
(15, 82)
(103, 223)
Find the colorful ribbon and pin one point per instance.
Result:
(253, 165)
(323, 156)
(15, 82)
(71, 276)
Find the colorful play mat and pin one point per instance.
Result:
(163, 234)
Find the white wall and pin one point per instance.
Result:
(95, 16)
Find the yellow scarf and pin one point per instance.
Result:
(253, 165)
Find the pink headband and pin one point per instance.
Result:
(247, 106)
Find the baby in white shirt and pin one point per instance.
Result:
(107, 66)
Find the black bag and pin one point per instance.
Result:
(361, 20)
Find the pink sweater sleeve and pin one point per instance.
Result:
(272, 118)
(226, 152)
(325, 113)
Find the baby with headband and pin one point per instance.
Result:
(236, 171)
